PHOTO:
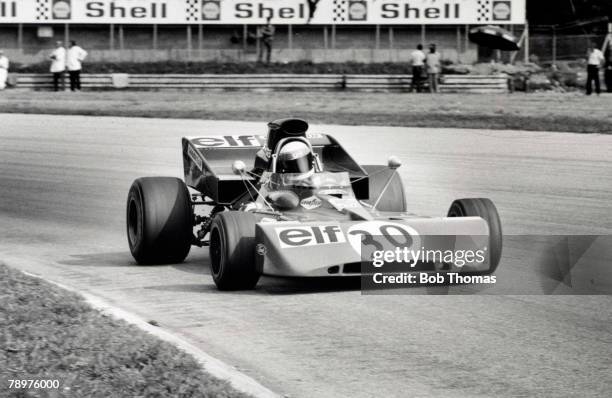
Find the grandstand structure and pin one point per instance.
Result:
(227, 30)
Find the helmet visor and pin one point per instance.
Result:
(302, 164)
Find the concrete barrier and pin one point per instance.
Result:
(272, 82)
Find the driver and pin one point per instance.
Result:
(295, 165)
(295, 157)
(278, 129)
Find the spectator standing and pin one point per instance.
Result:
(76, 55)
(417, 59)
(595, 59)
(4, 66)
(433, 68)
(58, 65)
(608, 71)
(267, 37)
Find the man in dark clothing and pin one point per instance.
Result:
(267, 36)
(608, 70)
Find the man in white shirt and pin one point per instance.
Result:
(4, 65)
(58, 65)
(417, 59)
(595, 59)
(76, 55)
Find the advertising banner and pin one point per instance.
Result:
(281, 12)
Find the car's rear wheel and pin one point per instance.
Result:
(485, 209)
(232, 251)
(159, 220)
(394, 197)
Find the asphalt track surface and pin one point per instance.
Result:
(63, 186)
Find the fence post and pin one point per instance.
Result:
(377, 37)
(333, 37)
(154, 36)
(121, 43)
(66, 35)
(188, 42)
(325, 40)
(200, 38)
(244, 38)
(20, 37)
(258, 48)
(290, 36)
(458, 42)
(111, 37)
(526, 41)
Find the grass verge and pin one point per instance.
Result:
(49, 333)
(536, 112)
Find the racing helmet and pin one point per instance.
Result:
(295, 157)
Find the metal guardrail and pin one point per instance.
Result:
(273, 82)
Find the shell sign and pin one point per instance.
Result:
(249, 12)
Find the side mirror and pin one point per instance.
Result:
(394, 163)
(238, 167)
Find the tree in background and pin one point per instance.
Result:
(558, 12)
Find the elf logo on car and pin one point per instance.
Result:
(302, 236)
(382, 235)
(236, 141)
(311, 203)
(228, 141)
(195, 157)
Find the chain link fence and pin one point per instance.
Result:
(552, 47)
(552, 44)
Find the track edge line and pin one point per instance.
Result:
(210, 364)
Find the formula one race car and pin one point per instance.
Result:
(305, 208)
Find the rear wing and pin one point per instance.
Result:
(207, 163)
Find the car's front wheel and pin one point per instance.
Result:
(232, 251)
(485, 209)
(159, 220)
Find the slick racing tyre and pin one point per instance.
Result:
(232, 251)
(159, 220)
(486, 210)
(394, 198)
